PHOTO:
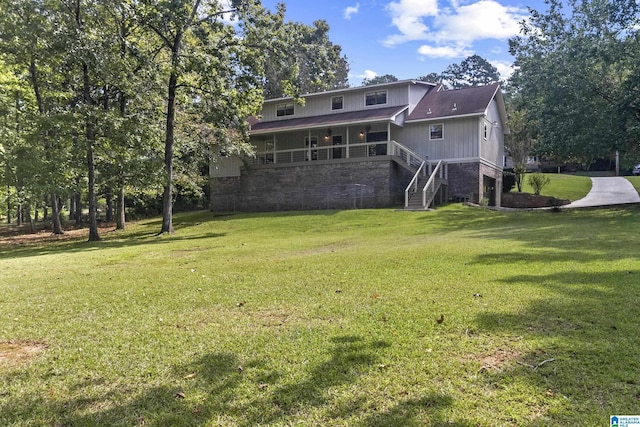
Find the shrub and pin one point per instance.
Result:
(538, 181)
(508, 181)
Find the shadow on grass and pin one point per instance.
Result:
(587, 332)
(216, 390)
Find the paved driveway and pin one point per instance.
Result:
(608, 191)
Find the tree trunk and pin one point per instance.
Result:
(27, 214)
(78, 204)
(56, 224)
(167, 198)
(109, 200)
(91, 169)
(120, 214)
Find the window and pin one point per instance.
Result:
(485, 132)
(337, 103)
(436, 131)
(375, 98)
(285, 109)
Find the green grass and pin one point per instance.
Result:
(563, 186)
(635, 180)
(328, 318)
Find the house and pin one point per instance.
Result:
(409, 143)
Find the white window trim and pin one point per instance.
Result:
(286, 104)
(386, 97)
(337, 109)
(436, 139)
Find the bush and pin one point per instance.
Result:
(538, 181)
(508, 181)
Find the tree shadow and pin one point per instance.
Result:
(585, 360)
(215, 388)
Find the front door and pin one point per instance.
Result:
(337, 149)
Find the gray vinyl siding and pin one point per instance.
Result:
(492, 149)
(353, 100)
(460, 139)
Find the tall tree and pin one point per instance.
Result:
(577, 73)
(472, 71)
(216, 57)
(309, 62)
(27, 37)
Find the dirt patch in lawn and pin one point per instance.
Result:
(497, 360)
(16, 353)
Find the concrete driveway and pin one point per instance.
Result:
(607, 191)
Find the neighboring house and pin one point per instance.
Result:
(405, 143)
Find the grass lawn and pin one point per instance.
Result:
(562, 186)
(327, 318)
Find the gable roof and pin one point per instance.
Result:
(437, 104)
(351, 117)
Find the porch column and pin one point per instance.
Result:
(347, 142)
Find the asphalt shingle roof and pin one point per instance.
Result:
(451, 103)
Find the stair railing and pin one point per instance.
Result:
(414, 183)
(440, 169)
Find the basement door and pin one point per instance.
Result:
(489, 190)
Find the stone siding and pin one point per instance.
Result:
(332, 185)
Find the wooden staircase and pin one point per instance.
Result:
(423, 189)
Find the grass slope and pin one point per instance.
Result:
(328, 318)
(562, 186)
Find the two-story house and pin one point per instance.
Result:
(407, 143)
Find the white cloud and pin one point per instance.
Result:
(408, 16)
(351, 10)
(444, 51)
(454, 28)
(504, 68)
(368, 74)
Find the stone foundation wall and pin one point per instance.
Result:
(332, 185)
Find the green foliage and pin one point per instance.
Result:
(576, 78)
(508, 181)
(538, 181)
(387, 78)
(519, 171)
(472, 71)
(304, 60)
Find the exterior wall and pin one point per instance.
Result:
(460, 139)
(466, 181)
(353, 100)
(492, 149)
(323, 185)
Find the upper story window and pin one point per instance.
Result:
(436, 131)
(337, 103)
(485, 131)
(284, 109)
(375, 98)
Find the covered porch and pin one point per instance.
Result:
(357, 135)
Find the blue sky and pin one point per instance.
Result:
(412, 38)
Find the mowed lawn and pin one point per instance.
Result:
(327, 318)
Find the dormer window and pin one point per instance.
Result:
(337, 103)
(284, 109)
(375, 98)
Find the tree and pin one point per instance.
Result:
(28, 41)
(387, 78)
(472, 71)
(309, 63)
(577, 71)
(519, 143)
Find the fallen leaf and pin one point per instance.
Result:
(179, 395)
(376, 296)
(191, 375)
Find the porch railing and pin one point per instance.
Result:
(324, 152)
